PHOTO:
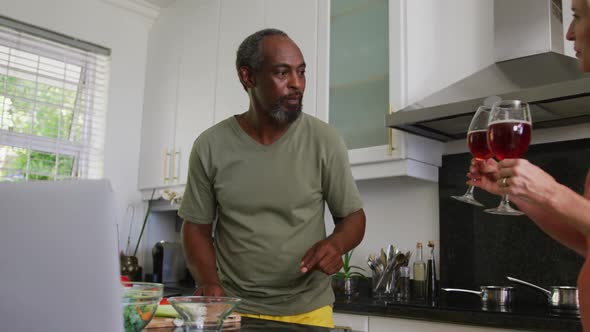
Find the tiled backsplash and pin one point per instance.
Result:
(479, 249)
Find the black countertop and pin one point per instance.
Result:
(460, 309)
(259, 325)
(519, 316)
(252, 325)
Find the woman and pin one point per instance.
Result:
(556, 209)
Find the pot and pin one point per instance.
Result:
(559, 297)
(490, 295)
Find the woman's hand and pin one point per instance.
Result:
(515, 177)
(484, 174)
(520, 178)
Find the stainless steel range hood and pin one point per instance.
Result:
(530, 66)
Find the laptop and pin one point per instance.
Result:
(59, 268)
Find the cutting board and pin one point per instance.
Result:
(232, 322)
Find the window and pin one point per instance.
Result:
(53, 93)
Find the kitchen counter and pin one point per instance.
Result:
(256, 325)
(519, 316)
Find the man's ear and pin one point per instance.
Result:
(246, 76)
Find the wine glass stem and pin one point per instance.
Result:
(469, 191)
(505, 201)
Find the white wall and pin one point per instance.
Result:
(400, 211)
(126, 34)
(440, 50)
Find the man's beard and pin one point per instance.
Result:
(283, 113)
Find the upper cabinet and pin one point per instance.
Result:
(384, 55)
(365, 47)
(191, 79)
(160, 104)
(364, 59)
(239, 19)
(359, 71)
(179, 90)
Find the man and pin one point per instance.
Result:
(265, 176)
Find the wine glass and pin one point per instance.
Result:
(509, 136)
(478, 145)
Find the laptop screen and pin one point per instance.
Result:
(59, 268)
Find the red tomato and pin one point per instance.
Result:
(164, 301)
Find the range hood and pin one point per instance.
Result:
(530, 66)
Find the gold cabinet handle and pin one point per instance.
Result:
(166, 156)
(390, 135)
(175, 171)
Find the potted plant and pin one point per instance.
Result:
(346, 280)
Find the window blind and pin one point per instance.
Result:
(53, 97)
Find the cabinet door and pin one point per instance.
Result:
(442, 48)
(358, 323)
(359, 71)
(196, 81)
(159, 102)
(382, 324)
(296, 18)
(299, 20)
(230, 96)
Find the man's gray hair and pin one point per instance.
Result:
(250, 53)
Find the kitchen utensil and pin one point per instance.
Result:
(169, 266)
(204, 312)
(371, 265)
(490, 295)
(389, 253)
(383, 257)
(390, 267)
(404, 283)
(559, 297)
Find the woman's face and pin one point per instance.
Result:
(579, 33)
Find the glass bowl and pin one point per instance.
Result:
(204, 313)
(140, 301)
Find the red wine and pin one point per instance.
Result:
(478, 144)
(509, 139)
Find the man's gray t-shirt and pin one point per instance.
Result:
(269, 201)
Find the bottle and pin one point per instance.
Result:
(432, 284)
(404, 283)
(419, 282)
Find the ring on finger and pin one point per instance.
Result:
(505, 182)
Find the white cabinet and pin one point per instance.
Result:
(180, 90)
(191, 79)
(383, 324)
(358, 323)
(157, 140)
(196, 91)
(296, 18)
(428, 49)
(362, 47)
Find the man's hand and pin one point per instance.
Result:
(209, 290)
(323, 256)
